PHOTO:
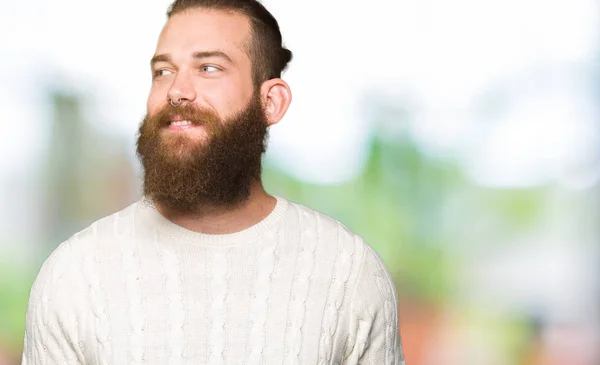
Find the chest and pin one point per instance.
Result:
(272, 309)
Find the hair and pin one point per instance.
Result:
(266, 51)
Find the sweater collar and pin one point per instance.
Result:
(153, 219)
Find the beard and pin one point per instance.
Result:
(191, 175)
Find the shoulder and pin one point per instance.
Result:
(59, 265)
(333, 236)
(356, 263)
(65, 263)
(108, 227)
(347, 248)
(374, 292)
(56, 285)
(373, 280)
(88, 241)
(64, 296)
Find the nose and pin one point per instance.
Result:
(182, 90)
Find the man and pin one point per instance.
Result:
(208, 268)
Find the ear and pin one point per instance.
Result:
(276, 97)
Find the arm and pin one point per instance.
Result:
(51, 335)
(374, 335)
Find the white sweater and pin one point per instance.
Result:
(135, 288)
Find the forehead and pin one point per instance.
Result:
(198, 30)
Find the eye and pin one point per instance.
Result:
(209, 68)
(161, 72)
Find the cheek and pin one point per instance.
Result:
(229, 98)
(155, 101)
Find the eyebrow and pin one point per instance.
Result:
(197, 55)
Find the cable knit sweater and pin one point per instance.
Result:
(135, 288)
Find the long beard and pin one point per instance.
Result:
(193, 176)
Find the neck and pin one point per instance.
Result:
(218, 220)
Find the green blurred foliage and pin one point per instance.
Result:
(15, 283)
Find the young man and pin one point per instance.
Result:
(208, 268)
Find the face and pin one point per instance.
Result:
(201, 59)
(207, 151)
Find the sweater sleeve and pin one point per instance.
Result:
(373, 333)
(51, 334)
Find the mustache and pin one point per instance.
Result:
(197, 116)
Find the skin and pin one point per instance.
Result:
(201, 59)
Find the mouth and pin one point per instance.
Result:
(181, 125)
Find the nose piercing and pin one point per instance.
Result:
(175, 105)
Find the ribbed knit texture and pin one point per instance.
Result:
(134, 288)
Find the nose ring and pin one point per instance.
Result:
(175, 105)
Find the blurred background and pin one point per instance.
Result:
(461, 138)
